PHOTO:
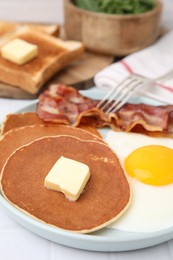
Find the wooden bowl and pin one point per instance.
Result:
(112, 34)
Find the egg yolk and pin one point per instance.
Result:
(152, 164)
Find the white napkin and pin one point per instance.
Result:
(151, 62)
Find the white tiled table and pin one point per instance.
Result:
(16, 242)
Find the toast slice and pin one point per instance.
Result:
(7, 27)
(52, 29)
(54, 54)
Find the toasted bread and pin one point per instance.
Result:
(7, 27)
(54, 54)
(52, 29)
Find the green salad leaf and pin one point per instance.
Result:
(116, 6)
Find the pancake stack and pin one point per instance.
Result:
(28, 152)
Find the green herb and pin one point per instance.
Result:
(116, 6)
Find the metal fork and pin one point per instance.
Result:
(118, 96)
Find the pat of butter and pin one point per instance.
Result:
(68, 176)
(19, 51)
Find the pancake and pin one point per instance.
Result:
(105, 198)
(30, 118)
(17, 137)
(90, 129)
(18, 120)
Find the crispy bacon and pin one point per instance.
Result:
(64, 104)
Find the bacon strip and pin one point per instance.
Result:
(64, 104)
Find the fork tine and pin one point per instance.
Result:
(126, 94)
(114, 92)
(117, 106)
(125, 97)
(106, 98)
(127, 88)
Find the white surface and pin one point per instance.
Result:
(16, 242)
(32, 10)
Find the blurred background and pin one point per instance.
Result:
(52, 11)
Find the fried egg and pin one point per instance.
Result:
(148, 164)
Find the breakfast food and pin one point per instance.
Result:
(7, 27)
(20, 136)
(147, 162)
(30, 118)
(19, 51)
(113, 165)
(106, 195)
(18, 120)
(69, 177)
(51, 29)
(53, 55)
(64, 104)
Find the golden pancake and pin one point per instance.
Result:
(90, 129)
(17, 137)
(105, 197)
(18, 120)
(30, 118)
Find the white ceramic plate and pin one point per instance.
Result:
(103, 240)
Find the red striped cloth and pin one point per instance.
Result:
(151, 62)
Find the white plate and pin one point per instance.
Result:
(103, 240)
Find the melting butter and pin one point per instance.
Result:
(19, 51)
(68, 176)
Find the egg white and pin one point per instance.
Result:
(151, 208)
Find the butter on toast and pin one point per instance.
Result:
(53, 55)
